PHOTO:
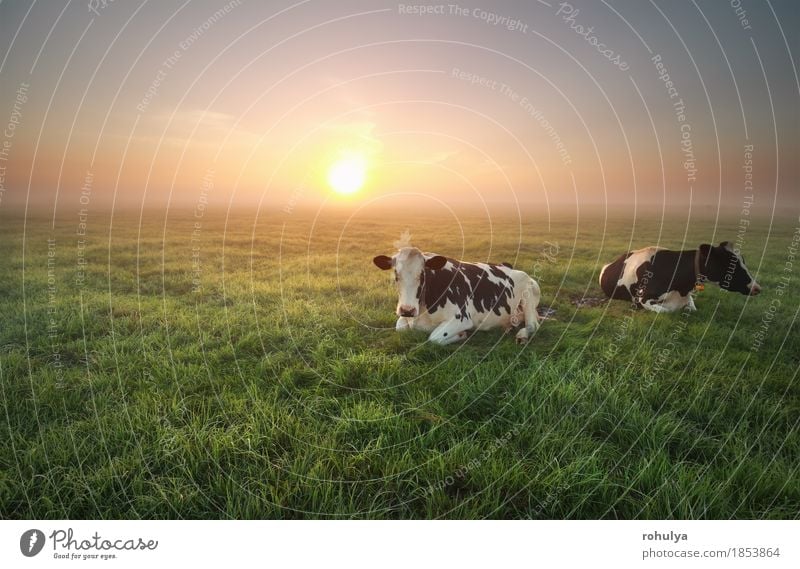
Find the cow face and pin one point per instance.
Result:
(726, 267)
(409, 266)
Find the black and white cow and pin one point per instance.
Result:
(662, 280)
(450, 298)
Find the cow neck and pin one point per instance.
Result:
(423, 306)
(699, 277)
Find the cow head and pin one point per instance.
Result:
(409, 266)
(724, 266)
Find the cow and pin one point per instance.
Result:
(661, 280)
(451, 298)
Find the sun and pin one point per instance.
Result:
(348, 175)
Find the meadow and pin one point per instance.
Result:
(241, 368)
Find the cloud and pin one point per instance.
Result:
(355, 137)
(196, 127)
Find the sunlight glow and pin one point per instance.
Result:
(348, 175)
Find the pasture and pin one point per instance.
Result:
(251, 370)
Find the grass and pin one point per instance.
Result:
(280, 389)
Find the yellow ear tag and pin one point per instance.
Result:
(699, 287)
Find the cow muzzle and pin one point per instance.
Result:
(406, 311)
(755, 289)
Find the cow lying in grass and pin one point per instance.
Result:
(450, 298)
(662, 281)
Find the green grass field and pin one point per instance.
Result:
(280, 389)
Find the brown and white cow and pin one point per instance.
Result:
(450, 298)
(663, 281)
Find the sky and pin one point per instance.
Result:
(617, 104)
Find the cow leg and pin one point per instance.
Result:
(667, 302)
(637, 297)
(675, 301)
(530, 301)
(654, 305)
(690, 303)
(451, 331)
(403, 324)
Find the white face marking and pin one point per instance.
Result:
(752, 282)
(408, 266)
(739, 259)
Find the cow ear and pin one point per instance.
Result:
(726, 245)
(436, 262)
(383, 262)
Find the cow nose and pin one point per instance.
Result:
(407, 311)
(755, 290)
